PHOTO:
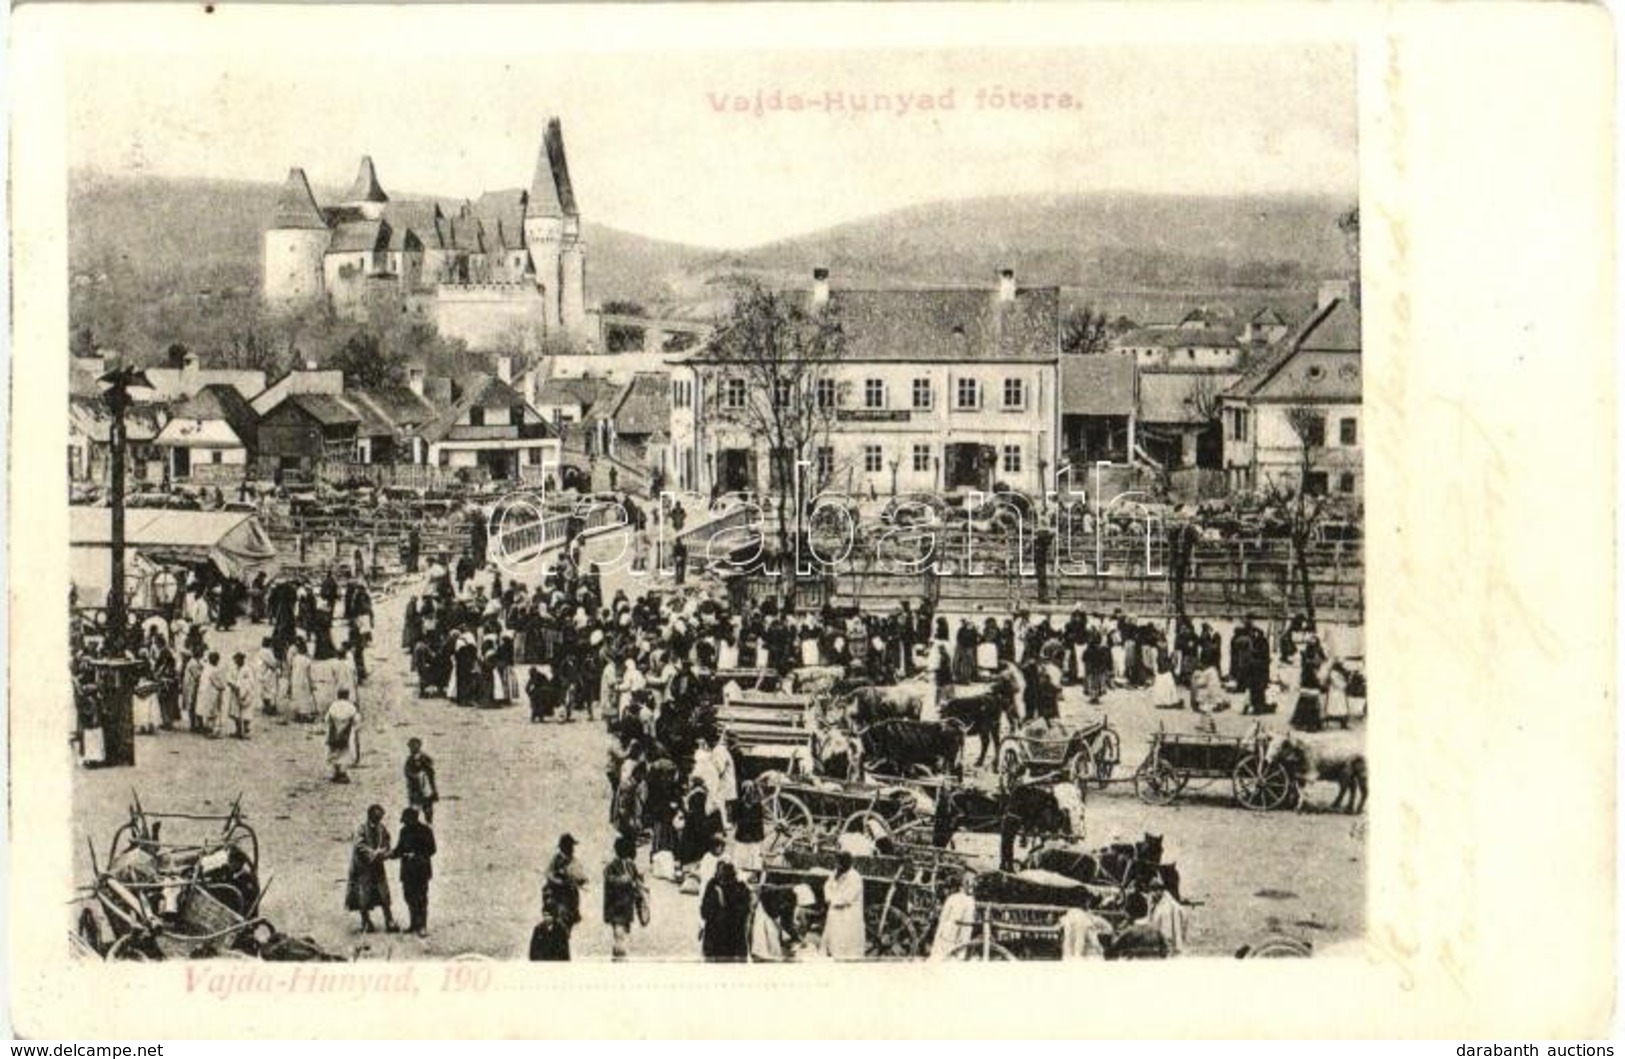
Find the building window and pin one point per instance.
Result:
(969, 394)
(873, 462)
(1012, 459)
(733, 393)
(922, 393)
(1314, 483)
(1345, 482)
(1015, 394)
(922, 457)
(216, 456)
(1348, 432)
(476, 416)
(781, 393)
(533, 457)
(824, 463)
(874, 393)
(824, 393)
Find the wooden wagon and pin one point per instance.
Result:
(1176, 760)
(1085, 754)
(815, 813)
(767, 731)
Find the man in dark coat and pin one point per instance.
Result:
(415, 849)
(725, 915)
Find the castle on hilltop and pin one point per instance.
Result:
(509, 263)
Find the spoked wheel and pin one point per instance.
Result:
(979, 950)
(1263, 785)
(787, 819)
(1279, 947)
(1108, 751)
(1012, 764)
(868, 823)
(1156, 782)
(891, 935)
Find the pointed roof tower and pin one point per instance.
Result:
(551, 194)
(366, 187)
(295, 205)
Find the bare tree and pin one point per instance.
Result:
(1304, 510)
(776, 379)
(1085, 332)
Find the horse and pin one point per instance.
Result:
(906, 747)
(1331, 756)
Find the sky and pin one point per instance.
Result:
(657, 145)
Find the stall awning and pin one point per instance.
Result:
(234, 541)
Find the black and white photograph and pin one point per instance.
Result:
(840, 551)
(763, 500)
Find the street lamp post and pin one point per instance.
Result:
(115, 670)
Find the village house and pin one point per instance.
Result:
(1315, 378)
(210, 436)
(1098, 409)
(936, 390)
(90, 439)
(490, 426)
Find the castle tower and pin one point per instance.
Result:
(553, 237)
(294, 244)
(366, 194)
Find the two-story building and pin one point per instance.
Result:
(934, 391)
(490, 425)
(1313, 377)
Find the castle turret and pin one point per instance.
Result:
(553, 236)
(366, 194)
(294, 244)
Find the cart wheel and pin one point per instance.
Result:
(891, 935)
(128, 948)
(227, 895)
(1262, 785)
(1156, 782)
(1011, 766)
(787, 818)
(869, 823)
(1278, 947)
(976, 950)
(1107, 753)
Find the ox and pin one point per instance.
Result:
(1338, 757)
(906, 747)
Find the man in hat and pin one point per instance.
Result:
(415, 849)
(422, 788)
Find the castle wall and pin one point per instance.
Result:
(484, 315)
(292, 265)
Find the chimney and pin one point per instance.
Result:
(820, 286)
(505, 367)
(414, 379)
(1007, 285)
(310, 365)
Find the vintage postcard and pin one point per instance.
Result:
(559, 500)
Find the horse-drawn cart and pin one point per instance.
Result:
(156, 899)
(1048, 750)
(814, 813)
(1176, 759)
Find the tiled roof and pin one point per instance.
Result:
(1097, 384)
(551, 194)
(1333, 328)
(326, 409)
(221, 402)
(353, 237)
(467, 234)
(486, 391)
(1171, 397)
(366, 187)
(503, 216)
(584, 391)
(295, 205)
(172, 383)
(1177, 338)
(942, 325)
(642, 407)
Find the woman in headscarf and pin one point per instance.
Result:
(965, 644)
(301, 688)
(368, 886)
(725, 916)
(750, 828)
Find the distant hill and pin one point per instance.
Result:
(1113, 251)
